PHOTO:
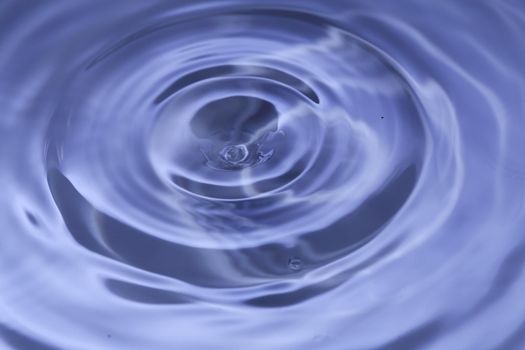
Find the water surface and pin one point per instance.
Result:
(262, 175)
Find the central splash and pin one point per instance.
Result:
(233, 132)
(235, 154)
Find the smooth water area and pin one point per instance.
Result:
(262, 175)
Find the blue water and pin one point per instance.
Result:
(262, 175)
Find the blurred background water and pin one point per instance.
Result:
(262, 175)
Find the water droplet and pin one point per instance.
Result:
(295, 263)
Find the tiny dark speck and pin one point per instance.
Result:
(32, 219)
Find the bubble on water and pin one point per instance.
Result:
(295, 263)
(235, 154)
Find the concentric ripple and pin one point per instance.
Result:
(179, 171)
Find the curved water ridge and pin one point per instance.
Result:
(324, 175)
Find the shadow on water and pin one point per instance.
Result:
(144, 294)
(228, 268)
(21, 341)
(239, 71)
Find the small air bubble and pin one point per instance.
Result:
(295, 263)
